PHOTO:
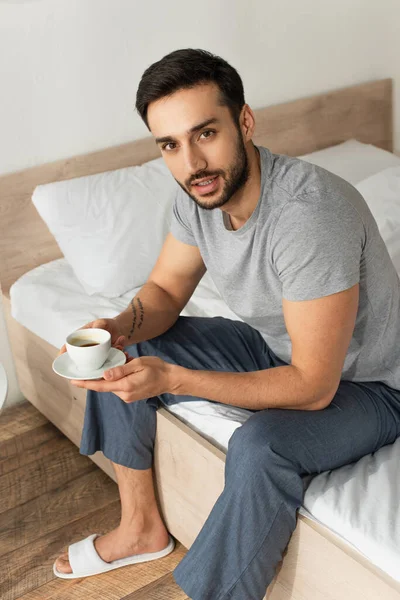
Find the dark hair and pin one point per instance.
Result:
(186, 68)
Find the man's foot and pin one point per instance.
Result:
(119, 544)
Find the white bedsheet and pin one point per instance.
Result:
(358, 502)
(50, 301)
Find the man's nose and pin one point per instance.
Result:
(195, 162)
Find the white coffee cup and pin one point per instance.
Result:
(88, 348)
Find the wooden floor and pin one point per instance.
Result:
(51, 496)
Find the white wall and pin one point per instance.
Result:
(69, 69)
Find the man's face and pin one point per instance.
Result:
(201, 144)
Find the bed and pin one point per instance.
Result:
(189, 465)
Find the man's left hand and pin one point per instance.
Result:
(138, 379)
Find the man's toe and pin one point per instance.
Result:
(62, 564)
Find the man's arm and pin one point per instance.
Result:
(169, 287)
(320, 331)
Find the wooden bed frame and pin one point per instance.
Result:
(189, 471)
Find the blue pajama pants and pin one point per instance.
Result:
(237, 551)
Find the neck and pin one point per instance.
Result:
(241, 206)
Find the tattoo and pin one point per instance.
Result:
(134, 319)
(134, 314)
(141, 312)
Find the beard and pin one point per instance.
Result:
(234, 179)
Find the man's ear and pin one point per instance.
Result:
(248, 123)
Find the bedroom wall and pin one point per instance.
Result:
(69, 69)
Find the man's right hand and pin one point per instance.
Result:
(111, 325)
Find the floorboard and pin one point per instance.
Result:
(43, 475)
(164, 588)
(51, 496)
(19, 419)
(46, 513)
(27, 447)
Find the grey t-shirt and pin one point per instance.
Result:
(310, 235)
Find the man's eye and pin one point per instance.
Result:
(208, 133)
(164, 147)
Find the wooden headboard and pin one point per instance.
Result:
(363, 112)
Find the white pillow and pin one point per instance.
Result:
(111, 226)
(353, 160)
(382, 194)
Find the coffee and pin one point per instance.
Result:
(84, 343)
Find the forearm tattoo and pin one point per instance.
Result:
(135, 316)
(141, 312)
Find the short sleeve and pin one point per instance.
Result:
(180, 222)
(317, 246)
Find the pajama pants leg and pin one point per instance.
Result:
(236, 553)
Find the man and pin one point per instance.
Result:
(296, 254)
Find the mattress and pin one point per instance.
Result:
(358, 502)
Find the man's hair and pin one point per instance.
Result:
(184, 69)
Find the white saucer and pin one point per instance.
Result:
(64, 366)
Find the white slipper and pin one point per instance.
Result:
(85, 561)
